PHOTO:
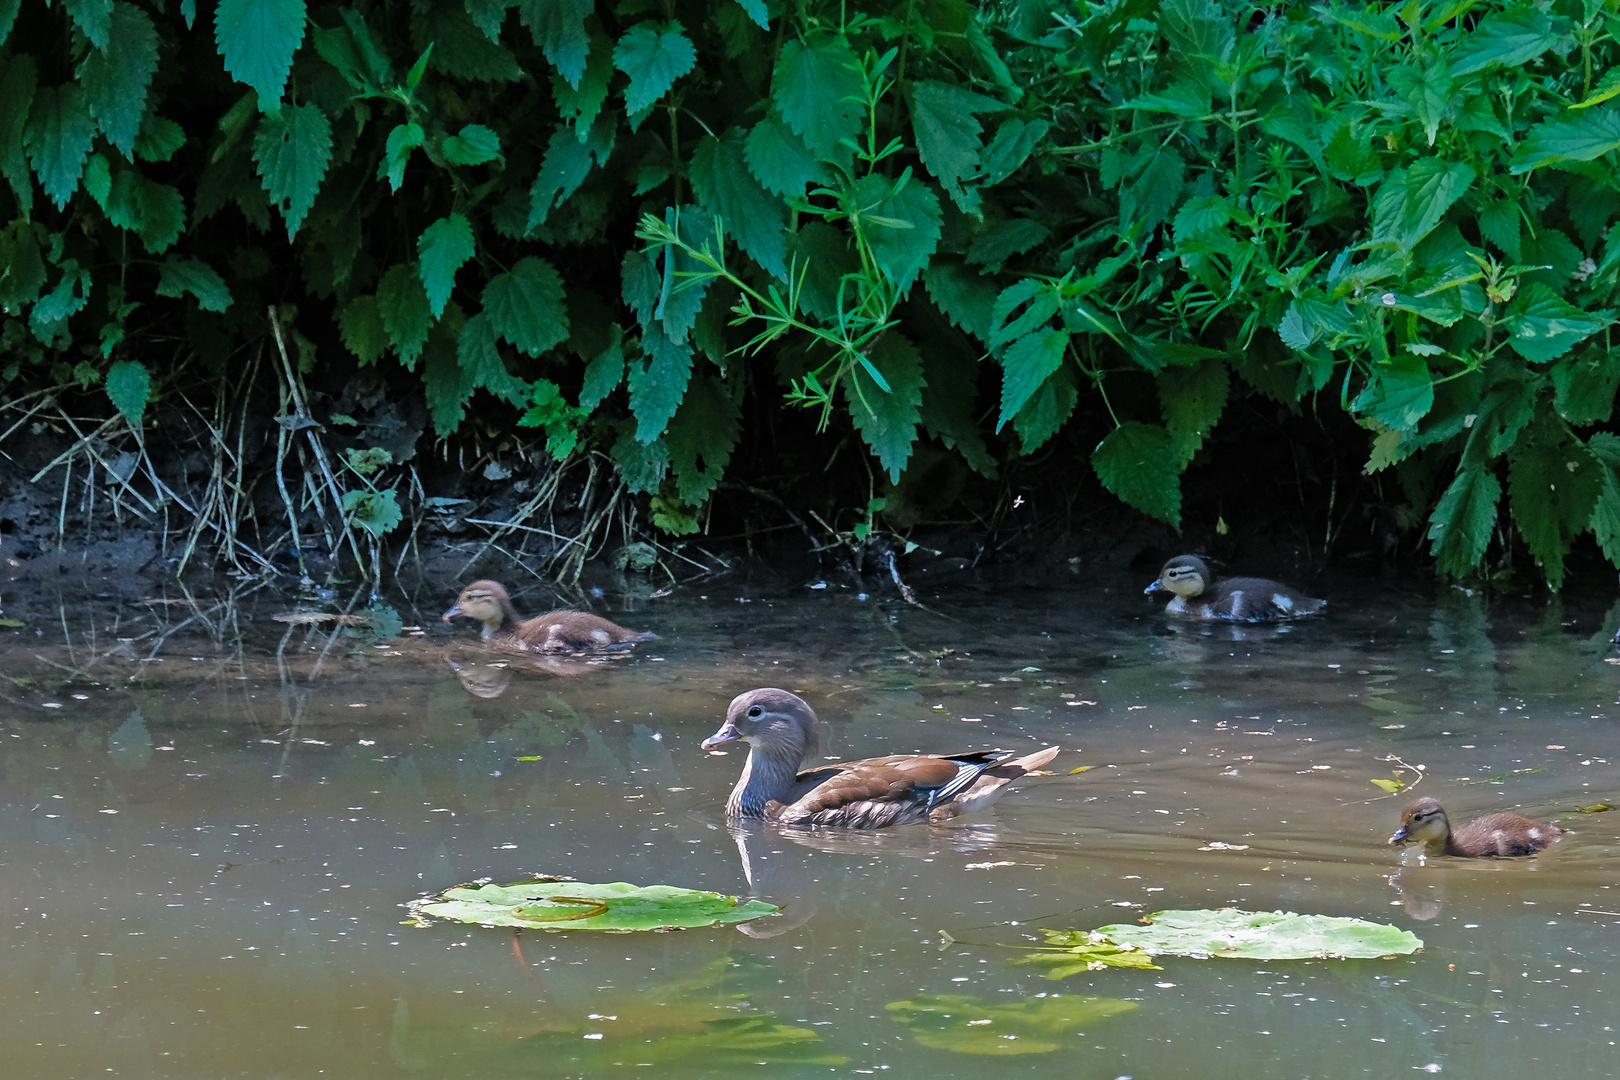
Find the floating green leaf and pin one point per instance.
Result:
(969, 1025)
(1389, 785)
(556, 903)
(1263, 935)
(1069, 952)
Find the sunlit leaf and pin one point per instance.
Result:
(550, 903)
(1265, 935)
(1391, 786)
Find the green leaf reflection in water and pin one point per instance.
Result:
(1036, 1025)
(697, 1024)
(551, 903)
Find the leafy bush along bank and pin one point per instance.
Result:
(613, 219)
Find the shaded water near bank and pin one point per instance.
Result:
(207, 830)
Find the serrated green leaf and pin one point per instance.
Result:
(473, 145)
(1192, 399)
(1025, 365)
(1399, 393)
(579, 104)
(1349, 156)
(1605, 520)
(558, 28)
(1544, 326)
(680, 297)
(526, 306)
(1569, 136)
(178, 276)
(904, 248)
(158, 138)
(257, 39)
(162, 215)
(949, 409)
(360, 323)
(778, 157)
(754, 217)
(819, 258)
(818, 91)
(67, 299)
(1139, 464)
(292, 150)
(1510, 38)
(1584, 386)
(1608, 87)
(948, 135)
(1499, 223)
(641, 465)
(479, 357)
(1147, 199)
(397, 152)
(403, 305)
(1014, 141)
(1042, 299)
(453, 44)
(701, 438)
(116, 75)
(1432, 186)
(965, 296)
(442, 249)
(1005, 239)
(755, 9)
(18, 83)
(22, 271)
(443, 382)
(93, 18)
(653, 58)
(604, 373)
(658, 381)
(487, 15)
(58, 137)
(1553, 482)
(1428, 91)
(887, 420)
(8, 16)
(377, 512)
(129, 388)
(567, 163)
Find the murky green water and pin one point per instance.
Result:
(206, 847)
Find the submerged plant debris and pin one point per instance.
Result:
(1228, 932)
(555, 903)
(966, 1025)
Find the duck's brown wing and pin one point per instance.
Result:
(893, 790)
(576, 631)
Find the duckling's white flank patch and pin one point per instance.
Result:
(1283, 601)
(1535, 834)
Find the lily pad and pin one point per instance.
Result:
(1262, 935)
(555, 903)
(966, 1025)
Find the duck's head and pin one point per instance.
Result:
(1184, 575)
(1424, 822)
(773, 722)
(485, 601)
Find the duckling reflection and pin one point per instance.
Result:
(482, 680)
(492, 678)
(1422, 891)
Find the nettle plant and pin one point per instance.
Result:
(611, 222)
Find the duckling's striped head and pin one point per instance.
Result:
(1184, 575)
(1424, 822)
(485, 601)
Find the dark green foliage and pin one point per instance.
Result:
(1118, 213)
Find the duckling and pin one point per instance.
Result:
(554, 632)
(1242, 599)
(781, 731)
(1493, 836)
